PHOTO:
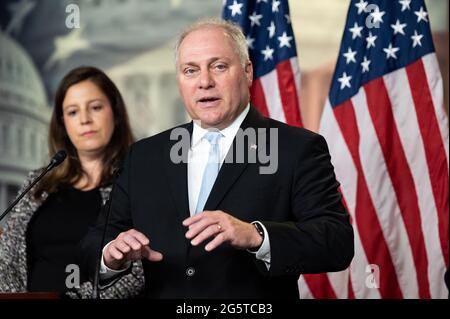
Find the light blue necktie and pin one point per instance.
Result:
(211, 169)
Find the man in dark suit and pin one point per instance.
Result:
(207, 220)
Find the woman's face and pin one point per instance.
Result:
(88, 118)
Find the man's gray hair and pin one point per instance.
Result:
(230, 29)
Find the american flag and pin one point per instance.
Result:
(267, 27)
(388, 136)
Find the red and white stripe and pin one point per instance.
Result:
(389, 146)
(276, 94)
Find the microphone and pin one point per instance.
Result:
(116, 172)
(57, 159)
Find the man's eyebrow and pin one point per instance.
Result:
(211, 60)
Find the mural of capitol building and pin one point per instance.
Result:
(149, 87)
(147, 82)
(24, 118)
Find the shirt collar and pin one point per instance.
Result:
(229, 132)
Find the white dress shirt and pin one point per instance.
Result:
(197, 160)
(199, 153)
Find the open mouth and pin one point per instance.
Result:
(208, 100)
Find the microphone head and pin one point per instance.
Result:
(58, 158)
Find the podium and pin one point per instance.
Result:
(30, 296)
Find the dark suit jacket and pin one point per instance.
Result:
(308, 227)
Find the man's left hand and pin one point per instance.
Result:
(223, 228)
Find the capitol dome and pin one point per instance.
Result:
(24, 118)
(19, 79)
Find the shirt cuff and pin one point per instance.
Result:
(106, 272)
(263, 253)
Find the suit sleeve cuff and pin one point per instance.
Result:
(108, 273)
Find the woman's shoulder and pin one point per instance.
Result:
(24, 209)
(31, 176)
(34, 173)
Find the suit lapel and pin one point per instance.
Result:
(177, 177)
(228, 174)
(231, 170)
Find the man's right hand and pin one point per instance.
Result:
(129, 246)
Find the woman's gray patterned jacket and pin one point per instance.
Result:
(13, 263)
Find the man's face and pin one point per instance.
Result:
(212, 82)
